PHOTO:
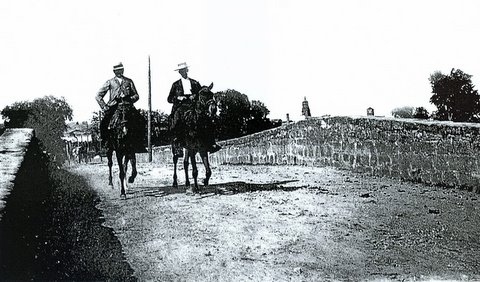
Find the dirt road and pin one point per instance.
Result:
(285, 223)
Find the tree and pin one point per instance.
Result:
(421, 113)
(47, 116)
(258, 118)
(403, 112)
(95, 125)
(238, 117)
(455, 97)
(259, 110)
(160, 127)
(234, 111)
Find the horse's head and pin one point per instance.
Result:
(206, 93)
(205, 97)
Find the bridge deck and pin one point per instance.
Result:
(290, 223)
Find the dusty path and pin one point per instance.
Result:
(284, 223)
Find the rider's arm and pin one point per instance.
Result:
(172, 95)
(101, 93)
(134, 97)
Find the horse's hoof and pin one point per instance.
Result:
(187, 183)
(175, 184)
(190, 192)
(196, 190)
(123, 196)
(205, 182)
(131, 179)
(110, 184)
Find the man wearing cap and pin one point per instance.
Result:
(121, 88)
(182, 94)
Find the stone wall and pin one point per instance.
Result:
(13, 148)
(431, 152)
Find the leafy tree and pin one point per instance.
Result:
(17, 114)
(455, 97)
(47, 116)
(234, 111)
(403, 112)
(259, 110)
(95, 125)
(160, 124)
(421, 113)
(258, 117)
(238, 116)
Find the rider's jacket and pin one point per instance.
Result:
(124, 89)
(177, 90)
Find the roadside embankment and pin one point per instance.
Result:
(50, 228)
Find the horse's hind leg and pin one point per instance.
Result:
(206, 164)
(110, 164)
(185, 166)
(133, 162)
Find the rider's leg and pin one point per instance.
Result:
(104, 124)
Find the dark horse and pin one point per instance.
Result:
(121, 140)
(197, 119)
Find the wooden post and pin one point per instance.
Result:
(149, 138)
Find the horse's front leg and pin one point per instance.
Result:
(121, 174)
(125, 164)
(194, 170)
(206, 164)
(133, 163)
(175, 160)
(110, 164)
(185, 166)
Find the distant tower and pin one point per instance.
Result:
(305, 108)
(370, 111)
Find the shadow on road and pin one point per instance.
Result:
(51, 229)
(229, 188)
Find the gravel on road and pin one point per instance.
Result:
(283, 223)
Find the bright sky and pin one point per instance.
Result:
(343, 56)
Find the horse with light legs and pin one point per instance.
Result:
(197, 118)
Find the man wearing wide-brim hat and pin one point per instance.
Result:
(181, 95)
(182, 89)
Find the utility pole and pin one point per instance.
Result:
(149, 138)
(99, 130)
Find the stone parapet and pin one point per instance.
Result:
(431, 152)
(13, 147)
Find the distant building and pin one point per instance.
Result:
(305, 108)
(370, 111)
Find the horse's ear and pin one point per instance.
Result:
(211, 86)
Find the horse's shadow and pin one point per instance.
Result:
(229, 188)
